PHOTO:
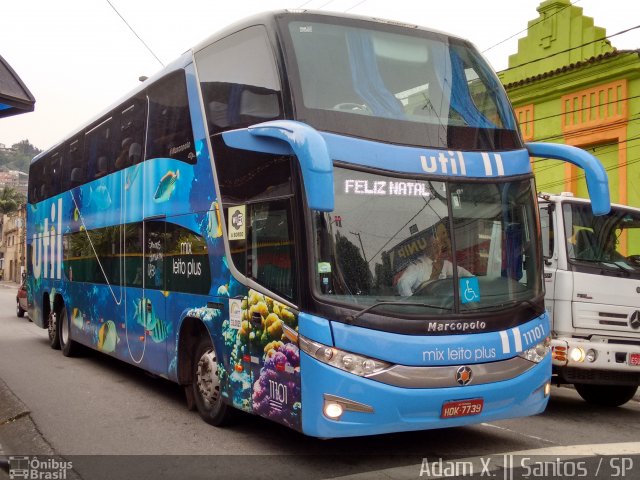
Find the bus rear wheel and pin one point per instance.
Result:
(68, 346)
(53, 330)
(606, 395)
(206, 385)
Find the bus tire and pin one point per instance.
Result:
(67, 345)
(606, 395)
(206, 385)
(54, 330)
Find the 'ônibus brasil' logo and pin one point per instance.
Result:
(46, 256)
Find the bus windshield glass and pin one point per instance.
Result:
(439, 247)
(609, 243)
(423, 88)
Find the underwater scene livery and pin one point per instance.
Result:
(264, 371)
(131, 260)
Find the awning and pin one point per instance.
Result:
(15, 97)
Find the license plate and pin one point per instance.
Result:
(634, 359)
(462, 408)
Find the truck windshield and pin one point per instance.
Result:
(450, 246)
(609, 242)
(374, 80)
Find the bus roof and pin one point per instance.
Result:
(264, 18)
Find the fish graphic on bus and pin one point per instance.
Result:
(108, 337)
(145, 316)
(99, 198)
(77, 318)
(214, 225)
(166, 186)
(132, 174)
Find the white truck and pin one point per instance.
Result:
(592, 280)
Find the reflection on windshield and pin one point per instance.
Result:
(611, 241)
(394, 240)
(355, 74)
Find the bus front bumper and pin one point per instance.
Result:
(371, 407)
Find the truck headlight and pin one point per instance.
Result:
(347, 361)
(537, 353)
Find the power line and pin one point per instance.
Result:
(356, 5)
(531, 26)
(600, 128)
(572, 48)
(134, 32)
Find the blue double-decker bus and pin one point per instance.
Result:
(326, 220)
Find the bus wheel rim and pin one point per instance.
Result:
(53, 324)
(207, 378)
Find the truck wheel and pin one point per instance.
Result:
(206, 385)
(54, 330)
(606, 395)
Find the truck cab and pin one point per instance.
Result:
(592, 282)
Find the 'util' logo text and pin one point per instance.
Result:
(47, 246)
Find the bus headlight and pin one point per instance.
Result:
(537, 353)
(347, 361)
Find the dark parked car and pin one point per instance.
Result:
(21, 300)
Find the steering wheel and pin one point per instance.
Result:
(353, 108)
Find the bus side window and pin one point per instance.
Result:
(55, 173)
(239, 80)
(263, 183)
(98, 147)
(170, 134)
(132, 127)
(35, 179)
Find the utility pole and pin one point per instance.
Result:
(361, 246)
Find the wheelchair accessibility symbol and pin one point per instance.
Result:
(469, 290)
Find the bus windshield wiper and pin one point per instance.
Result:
(352, 318)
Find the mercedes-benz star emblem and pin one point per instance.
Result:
(464, 375)
(634, 320)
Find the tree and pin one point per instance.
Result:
(10, 200)
(19, 156)
(354, 269)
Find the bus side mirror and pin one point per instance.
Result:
(289, 137)
(597, 179)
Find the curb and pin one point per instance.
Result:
(18, 434)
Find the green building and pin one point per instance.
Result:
(569, 85)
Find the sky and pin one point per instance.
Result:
(77, 57)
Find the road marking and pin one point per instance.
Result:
(516, 432)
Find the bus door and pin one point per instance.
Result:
(151, 305)
(145, 300)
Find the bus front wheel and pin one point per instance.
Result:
(606, 395)
(206, 385)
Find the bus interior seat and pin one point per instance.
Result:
(77, 177)
(135, 153)
(260, 105)
(218, 114)
(103, 167)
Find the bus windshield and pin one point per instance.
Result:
(448, 246)
(608, 243)
(415, 87)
